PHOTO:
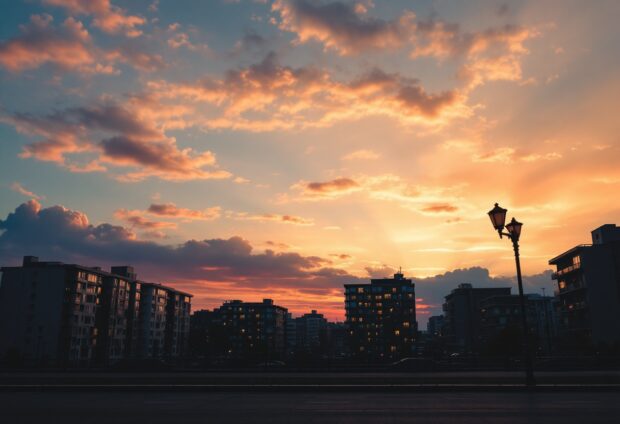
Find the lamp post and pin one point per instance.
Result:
(498, 219)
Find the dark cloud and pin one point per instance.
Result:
(138, 141)
(339, 184)
(347, 27)
(383, 271)
(63, 234)
(341, 25)
(112, 117)
(66, 46)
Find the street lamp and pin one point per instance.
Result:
(498, 219)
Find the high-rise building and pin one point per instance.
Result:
(462, 316)
(381, 318)
(251, 330)
(588, 289)
(57, 313)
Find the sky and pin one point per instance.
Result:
(279, 149)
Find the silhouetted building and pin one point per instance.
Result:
(588, 278)
(434, 327)
(307, 333)
(381, 318)
(501, 328)
(58, 313)
(251, 330)
(202, 333)
(337, 340)
(462, 316)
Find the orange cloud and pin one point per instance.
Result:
(108, 18)
(17, 187)
(268, 96)
(271, 217)
(440, 208)
(138, 141)
(343, 27)
(68, 46)
(136, 220)
(173, 211)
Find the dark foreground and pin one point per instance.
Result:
(243, 407)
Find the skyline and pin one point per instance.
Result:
(251, 149)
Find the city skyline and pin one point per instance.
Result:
(280, 149)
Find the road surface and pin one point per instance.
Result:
(243, 407)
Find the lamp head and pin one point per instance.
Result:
(498, 218)
(514, 228)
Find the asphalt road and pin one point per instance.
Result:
(176, 407)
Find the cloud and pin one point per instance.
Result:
(339, 184)
(68, 46)
(108, 18)
(136, 54)
(382, 187)
(267, 96)
(440, 208)
(270, 217)
(18, 188)
(341, 26)
(67, 235)
(327, 189)
(341, 256)
(345, 27)
(136, 220)
(363, 154)
(159, 159)
(348, 29)
(383, 271)
(171, 210)
(137, 141)
(434, 289)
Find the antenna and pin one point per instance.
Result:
(543, 290)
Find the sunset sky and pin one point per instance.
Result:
(257, 149)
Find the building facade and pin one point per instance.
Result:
(68, 314)
(306, 334)
(501, 320)
(251, 330)
(434, 327)
(588, 289)
(462, 318)
(381, 318)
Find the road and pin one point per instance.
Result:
(192, 407)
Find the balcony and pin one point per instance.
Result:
(565, 271)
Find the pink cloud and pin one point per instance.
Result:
(108, 18)
(67, 46)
